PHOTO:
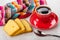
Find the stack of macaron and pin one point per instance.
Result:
(17, 9)
(20, 9)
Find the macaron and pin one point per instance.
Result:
(15, 15)
(7, 12)
(24, 16)
(12, 7)
(2, 12)
(19, 7)
(37, 2)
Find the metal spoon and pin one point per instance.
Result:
(42, 34)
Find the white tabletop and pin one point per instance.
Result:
(55, 6)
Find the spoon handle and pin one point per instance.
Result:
(53, 35)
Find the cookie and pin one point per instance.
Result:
(11, 27)
(19, 23)
(26, 25)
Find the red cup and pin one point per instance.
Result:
(43, 18)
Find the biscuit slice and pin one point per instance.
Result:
(11, 27)
(19, 23)
(27, 25)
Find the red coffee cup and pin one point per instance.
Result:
(43, 18)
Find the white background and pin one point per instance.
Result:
(54, 5)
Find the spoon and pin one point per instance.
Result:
(42, 34)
